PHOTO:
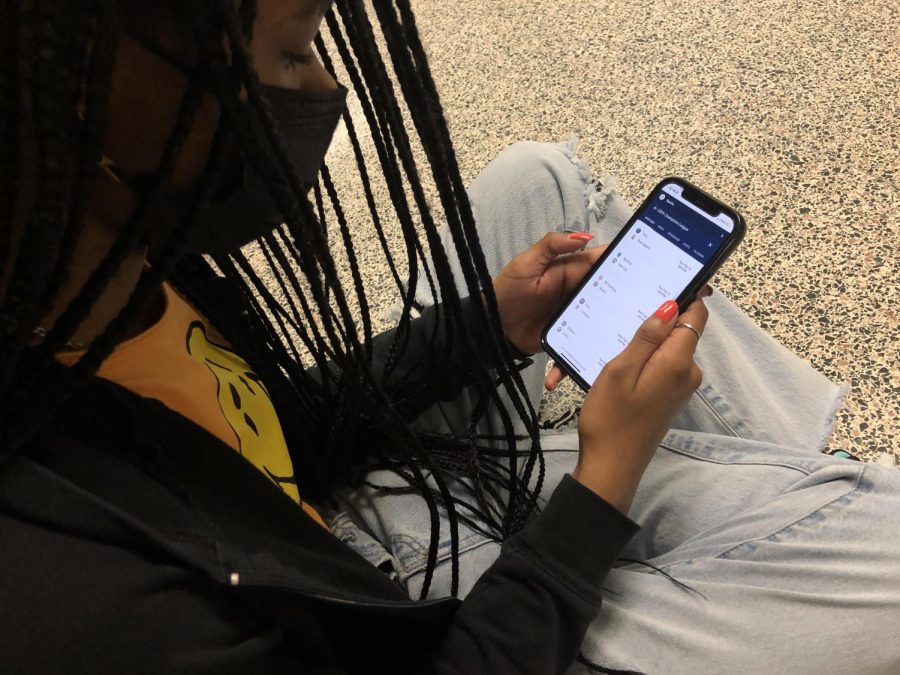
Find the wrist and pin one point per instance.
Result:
(614, 477)
(517, 352)
(617, 493)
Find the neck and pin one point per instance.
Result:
(89, 251)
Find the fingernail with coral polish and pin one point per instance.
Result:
(667, 310)
(581, 236)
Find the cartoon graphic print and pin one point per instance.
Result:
(246, 405)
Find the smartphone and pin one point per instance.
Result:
(669, 249)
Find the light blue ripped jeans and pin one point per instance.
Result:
(793, 556)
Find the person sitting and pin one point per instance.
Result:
(214, 461)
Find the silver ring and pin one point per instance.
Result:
(680, 324)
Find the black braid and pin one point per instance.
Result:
(54, 91)
(356, 13)
(79, 308)
(375, 115)
(363, 172)
(415, 46)
(443, 160)
(320, 207)
(311, 237)
(285, 309)
(351, 259)
(10, 65)
(99, 72)
(411, 94)
(55, 94)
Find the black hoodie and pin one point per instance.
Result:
(132, 540)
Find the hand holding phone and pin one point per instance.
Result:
(632, 403)
(670, 248)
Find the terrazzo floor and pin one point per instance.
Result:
(787, 110)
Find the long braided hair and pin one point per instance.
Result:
(304, 325)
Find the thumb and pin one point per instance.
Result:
(649, 336)
(553, 377)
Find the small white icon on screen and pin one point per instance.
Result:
(661, 197)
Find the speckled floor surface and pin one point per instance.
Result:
(787, 110)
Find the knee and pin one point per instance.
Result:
(526, 150)
(539, 178)
(531, 161)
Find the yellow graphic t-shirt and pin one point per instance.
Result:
(182, 362)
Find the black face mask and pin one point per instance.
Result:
(240, 208)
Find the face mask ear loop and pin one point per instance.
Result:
(106, 163)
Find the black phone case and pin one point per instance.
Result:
(686, 297)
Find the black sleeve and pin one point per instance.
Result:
(76, 604)
(529, 611)
(430, 371)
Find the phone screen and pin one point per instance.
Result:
(662, 250)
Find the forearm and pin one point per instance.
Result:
(530, 610)
(435, 365)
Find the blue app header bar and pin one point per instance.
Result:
(684, 226)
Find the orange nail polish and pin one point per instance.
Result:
(581, 236)
(667, 310)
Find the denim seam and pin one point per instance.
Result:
(787, 527)
(716, 414)
(831, 419)
(469, 543)
(781, 530)
(702, 458)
